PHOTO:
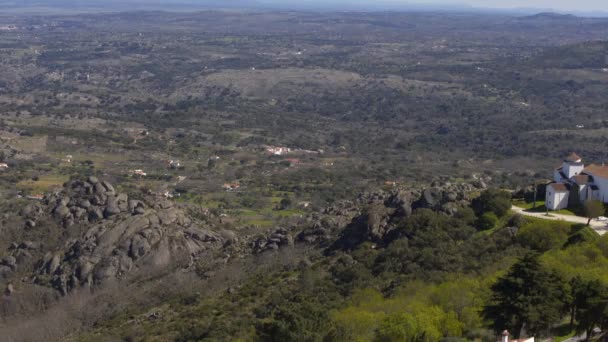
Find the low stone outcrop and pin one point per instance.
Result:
(279, 238)
(377, 221)
(87, 201)
(121, 235)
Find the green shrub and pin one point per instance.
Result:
(517, 220)
(544, 235)
(492, 200)
(487, 221)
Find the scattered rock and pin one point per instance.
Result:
(29, 245)
(10, 261)
(61, 211)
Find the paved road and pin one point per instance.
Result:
(600, 227)
(579, 338)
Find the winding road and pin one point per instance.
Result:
(600, 227)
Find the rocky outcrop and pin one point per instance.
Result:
(377, 222)
(279, 238)
(121, 235)
(88, 201)
(112, 235)
(320, 231)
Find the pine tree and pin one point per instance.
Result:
(527, 296)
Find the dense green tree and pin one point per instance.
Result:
(492, 200)
(528, 295)
(487, 221)
(424, 324)
(593, 209)
(298, 320)
(544, 235)
(285, 203)
(576, 297)
(591, 306)
(517, 220)
(466, 215)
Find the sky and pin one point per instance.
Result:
(562, 5)
(579, 7)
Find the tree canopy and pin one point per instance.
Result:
(529, 297)
(593, 209)
(492, 200)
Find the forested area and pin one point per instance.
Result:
(434, 277)
(297, 176)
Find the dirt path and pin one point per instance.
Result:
(600, 227)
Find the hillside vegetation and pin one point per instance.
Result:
(296, 176)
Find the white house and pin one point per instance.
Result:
(572, 166)
(599, 187)
(575, 183)
(278, 150)
(557, 196)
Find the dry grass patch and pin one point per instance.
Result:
(42, 184)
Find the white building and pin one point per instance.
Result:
(557, 196)
(278, 150)
(575, 183)
(506, 338)
(572, 166)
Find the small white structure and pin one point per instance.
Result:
(174, 164)
(557, 196)
(572, 166)
(3, 166)
(231, 186)
(575, 183)
(278, 150)
(139, 173)
(506, 338)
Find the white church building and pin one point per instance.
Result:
(574, 183)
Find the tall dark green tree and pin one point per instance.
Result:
(492, 200)
(592, 307)
(576, 297)
(529, 297)
(296, 320)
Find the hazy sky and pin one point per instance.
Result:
(584, 7)
(564, 5)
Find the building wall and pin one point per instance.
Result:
(557, 177)
(583, 193)
(602, 193)
(571, 170)
(574, 196)
(556, 200)
(595, 195)
(602, 184)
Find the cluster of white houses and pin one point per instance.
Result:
(574, 183)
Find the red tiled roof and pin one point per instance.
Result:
(573, 157)
(559, 187)
(581, 179)
(596, 170)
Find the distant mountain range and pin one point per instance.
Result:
(316, 5)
